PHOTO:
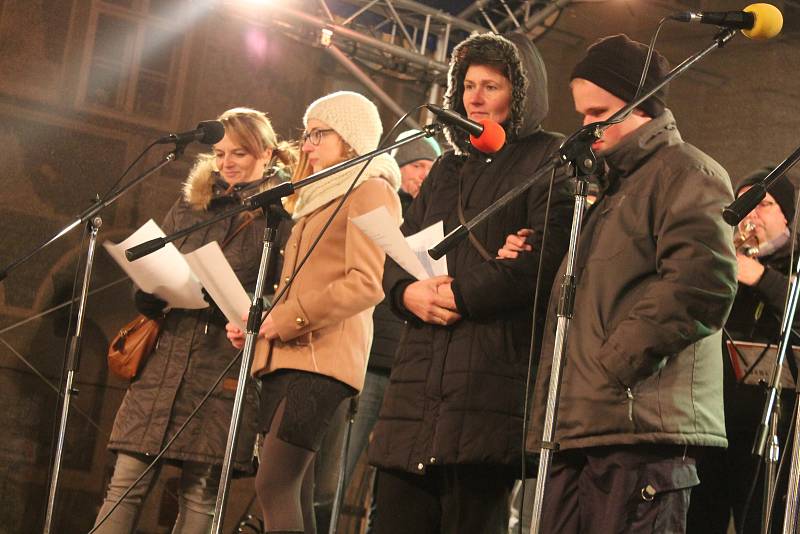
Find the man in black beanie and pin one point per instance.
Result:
(641, 393)
(764, 262)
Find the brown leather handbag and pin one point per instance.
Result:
(132, 344)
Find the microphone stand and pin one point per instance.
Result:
(577, 152)
(767, 429)
(284, 189)
(93, 222)
(253, 325)
(73, 362)
(259, 200)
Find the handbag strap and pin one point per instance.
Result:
(472, 239)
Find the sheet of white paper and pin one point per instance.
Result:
(422, 241)
(383, 230)
(164, 273)
(215, 273)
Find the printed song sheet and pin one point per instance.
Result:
(164, 273)
(411, 252)
(215, 273)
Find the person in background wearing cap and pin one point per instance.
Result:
(415, 161)
(656, 275)
(448, 441)
(764, 266)
(319, 332)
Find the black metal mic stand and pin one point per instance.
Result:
(576, 151)
(767, 429)
(93, 222)
(254, 319)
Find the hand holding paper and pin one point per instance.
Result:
(179, 278)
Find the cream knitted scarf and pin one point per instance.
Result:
(321, 192)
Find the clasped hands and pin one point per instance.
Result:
(432, 300)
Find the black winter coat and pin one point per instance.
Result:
(456, 393)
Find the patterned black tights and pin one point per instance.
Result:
(285, 483)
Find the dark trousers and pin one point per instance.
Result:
(638, 489)
(455, 499)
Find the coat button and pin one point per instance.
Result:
(300, 321)
(274, 287)
(433, 460)
(281, 251)
(420, 466)
(286, 280)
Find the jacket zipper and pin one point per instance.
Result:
(629, 394)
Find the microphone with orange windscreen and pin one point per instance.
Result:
(485, 135)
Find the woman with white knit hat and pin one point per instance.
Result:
(318, 335)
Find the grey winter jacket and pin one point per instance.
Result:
(656, 277)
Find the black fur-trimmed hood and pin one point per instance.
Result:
(528, 84)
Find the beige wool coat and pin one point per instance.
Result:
(324, 321)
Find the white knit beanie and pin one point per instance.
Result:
(352, 116)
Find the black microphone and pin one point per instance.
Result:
(740, 20)
(757, 21)
(448, 116)
(207, 132)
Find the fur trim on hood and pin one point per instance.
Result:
(204, 184)
(528, 75)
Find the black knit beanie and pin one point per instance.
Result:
(615, 63)
(781, 190)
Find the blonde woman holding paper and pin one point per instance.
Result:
(192, 350)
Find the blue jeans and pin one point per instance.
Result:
(196, 499)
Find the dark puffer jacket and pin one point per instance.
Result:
(456, 393)
(192, 349)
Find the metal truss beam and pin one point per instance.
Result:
(404, 38)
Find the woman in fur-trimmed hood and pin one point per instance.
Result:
(449, 435)
(192, 350)
(525, 70)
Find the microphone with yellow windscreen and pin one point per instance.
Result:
(757, 21)
(767, 23)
